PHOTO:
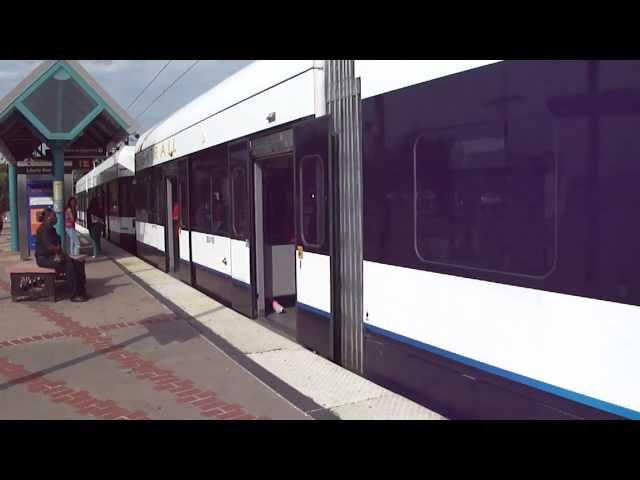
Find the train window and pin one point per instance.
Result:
(130, 198)
(122, 197)
(312, 197)
(220, 200)
(126, 200)
(113, 199)
(150, 198)
(159, 197)
(484, 199)
(202, 202)
(142, 197)
(240, 204)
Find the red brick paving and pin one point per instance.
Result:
(145, 369)
(64, 333)
(183, 390)
(83, 402)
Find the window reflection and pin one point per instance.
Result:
(479, 203)
(313, 200)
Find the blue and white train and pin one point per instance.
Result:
(113, 183)
(462, 232)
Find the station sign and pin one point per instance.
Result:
(84, 151)
(40, 167)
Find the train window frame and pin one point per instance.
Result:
(183, 197)
(321, 214)
(159, 194)
(461, 267)
(234, 216)
(145, 196)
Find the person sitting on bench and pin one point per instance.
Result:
(49, 254)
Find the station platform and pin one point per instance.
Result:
(147, 346)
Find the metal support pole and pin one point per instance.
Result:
(58, 187)
(13, 206)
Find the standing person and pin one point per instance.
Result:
(175, 216)
(95, 223)
(70, 216)
(49, 254)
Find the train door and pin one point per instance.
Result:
(105, 205)
(113, 220)
(314, 233)
(127, 213)
(177, 224)
(275, 240)
(173, 226)
(242, 291)
(186, 271)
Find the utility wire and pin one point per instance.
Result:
(167, 89)
(149, 84)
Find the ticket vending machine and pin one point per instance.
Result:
(39, 197)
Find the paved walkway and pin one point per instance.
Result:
(120, 355)
(147, 346)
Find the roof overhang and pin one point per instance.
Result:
(94, 120)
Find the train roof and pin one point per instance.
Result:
(242, 85)
(247, 102)
(120, 164)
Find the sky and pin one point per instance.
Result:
(125, 79)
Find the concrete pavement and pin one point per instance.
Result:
(148, 346)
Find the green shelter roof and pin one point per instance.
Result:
(60, 101)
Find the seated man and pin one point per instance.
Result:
(49, 254)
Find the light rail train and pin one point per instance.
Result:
(462, 232)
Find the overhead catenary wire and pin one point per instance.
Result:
(168, 88)
(149, 84)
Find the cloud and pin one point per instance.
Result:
(106, 67)
(12, 71)
(125, 79)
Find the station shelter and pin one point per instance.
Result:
(53, 126)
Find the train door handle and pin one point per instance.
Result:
(224, 261)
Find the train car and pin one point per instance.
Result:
(216, 205)
(112, 183)
(457, 231)
(500, 258)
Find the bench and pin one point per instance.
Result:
(31, 282)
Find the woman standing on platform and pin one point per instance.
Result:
(70, 216)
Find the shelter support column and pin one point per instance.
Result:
(58, 187)
(13, 206)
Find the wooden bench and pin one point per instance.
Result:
(31, 282)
